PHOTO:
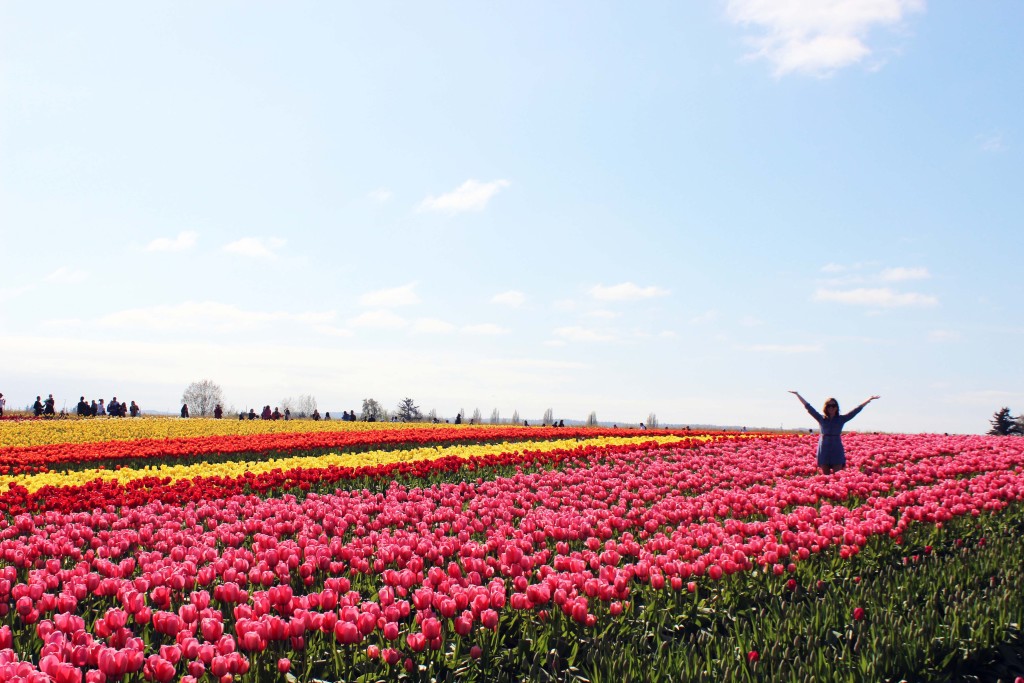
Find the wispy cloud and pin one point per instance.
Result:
(333, 331)
(816, 36)
(878, 297)
(381, 319)
(705, 317)
(626, 291)
(581, 334)
(404, 295)
(901, 274)
(992, 142)
(67, 276)
(432, 326)
(785, 348)
(512, 298)
(471, 195)
(381, 195)
(602, 314)
(185, 240)
(484, 329)
(943, 336)
(206, 315)
(256, 247)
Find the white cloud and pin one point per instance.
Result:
(602, 314)
(404, 295)
(204, 316)
(992, 143)
(381, 319)
(816, 36)
(432, 326)
(750, 321)
(564, 305)
(943, 336)
(901, 274)
(333, 331)
(626, 291)
(881, 296)
(9, 293)
(256, 247)
(484, 329)
(471, 195)
(381, 195)
(67, 276)
(705, 317)
(512, 298)
(785, 348)
(833, 268)
(581, 334)
(185, 240)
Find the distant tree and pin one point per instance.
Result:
(549, 416)
(652, 421)
(432, 415)
(495, 417)
(306, 405)
(303, 406)
(1019, 425)
(1002, 423)
(477, 417)
(408, 411)
(592, 419)
(201, 397)
(372, 411)
(515, 417)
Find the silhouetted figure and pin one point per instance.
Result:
(287, 414)
(266, 414)
(316, 414)
(561, 423)
(276, 415)
(83, 407)
(184, 410)
(37, 407)
(252, 413)
(458, 419)
(114, 408)
(3, 402)
(135, 410)
(48, 406)
(218, 412)
(327, 416)
(344, 416)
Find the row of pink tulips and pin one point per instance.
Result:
(214, 583)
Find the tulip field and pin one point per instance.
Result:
(162, 549)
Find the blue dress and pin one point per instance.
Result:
(830, 444)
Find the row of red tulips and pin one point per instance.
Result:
(19, 459)
(101, 493)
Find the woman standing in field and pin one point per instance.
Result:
(831, 456)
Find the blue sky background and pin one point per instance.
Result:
(678, 208)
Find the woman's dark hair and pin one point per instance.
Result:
(829, 402)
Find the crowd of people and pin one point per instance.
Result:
(48, 407)
(268, 414)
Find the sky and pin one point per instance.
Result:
(684, 209)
